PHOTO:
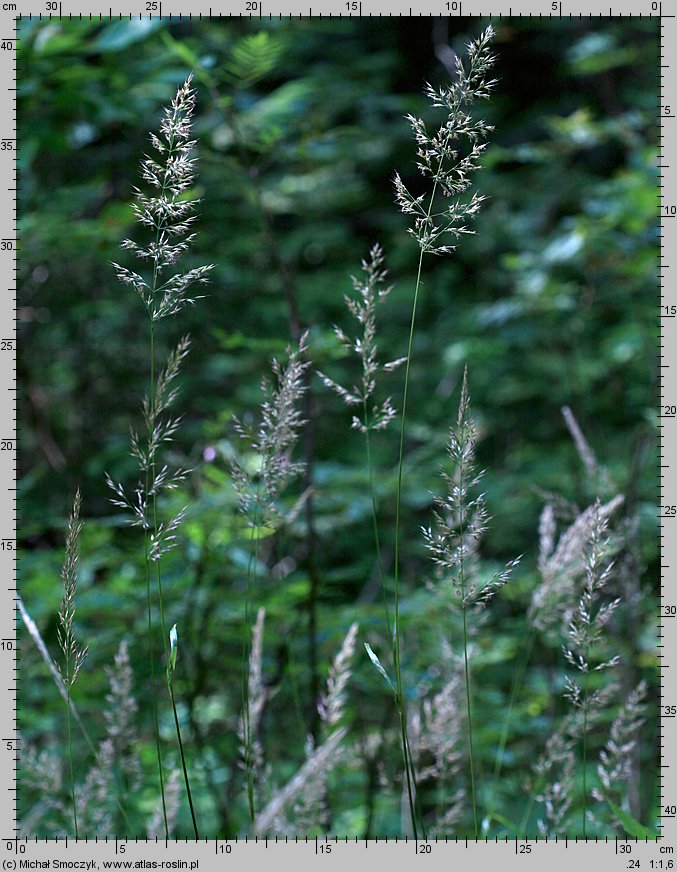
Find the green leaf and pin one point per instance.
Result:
(173, 649)
(123, 33)
(377, 663)
(631, 826)
(500, 819)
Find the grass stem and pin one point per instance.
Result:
(471, 754)
(151, 647)
(70, 760)
(374, 515)
(584, 763)
(398, 504)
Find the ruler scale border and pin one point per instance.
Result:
(513, 852)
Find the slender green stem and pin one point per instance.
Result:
(177, 726)
(398, 505)
(585, 751)
(165, 637)
(374, 516)
(407, 765)
(517, 681)
(377, 543)
(466, 665)
(183, 758)
(150, 476)
(246, 653)
(524, 823)
(151, 651)
(471, 753)
(70, 752)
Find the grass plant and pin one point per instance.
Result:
(439, 220)
(168, 215)
(426, 764)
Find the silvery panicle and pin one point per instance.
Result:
(303, 796)
(441, 154)
(461, 521)
(561, 562)
(308, 781)
(368, 292)
(154, 479)
(555, 771)
(436, 734)
(73, 654)
(619, 755)
(167, 214)
(155, 828)
(249, 725)
(116, 767)
(590, 617)
(585, 649)
(332, 705)
(273, 440)
(461, 518)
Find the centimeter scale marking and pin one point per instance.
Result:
(16, 847)
(667, 209)
(9, 646)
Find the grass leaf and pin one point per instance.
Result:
(377, 663)
(173, 648)
(632, 826)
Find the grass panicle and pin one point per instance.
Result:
(437, 733)
(304, 794)
(617, 757)
(584, 650)
(120, 719)
(561, 563)
(555, 772)
(73, 654)
(249, 727)
(273, 818)
(167, 214)
(42, 771)
(368, 293)
(259, 483)
(164, 816)
(460, 522)
(332, 705)
(450, 174)
(450, 156)
(262, 478)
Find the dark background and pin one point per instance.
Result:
(553, 302)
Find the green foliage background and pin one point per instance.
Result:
(553, 302)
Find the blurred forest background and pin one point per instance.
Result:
(552, 303)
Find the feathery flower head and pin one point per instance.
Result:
(274, 439)
(461, 518)
(73, 654)
(440, 156)
(167, 213)
(369, 291)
